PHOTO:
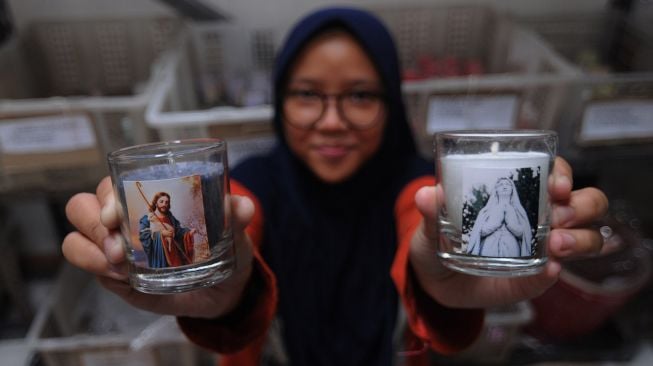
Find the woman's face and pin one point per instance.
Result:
(334, 64)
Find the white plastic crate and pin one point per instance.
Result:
(608, 117)
(71, 91)
(522, 87)
(606, 113)
(82, 324)
(589, 41)
(488, 72)
(217, 84)
(466, 32)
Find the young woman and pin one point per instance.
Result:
(336, 228)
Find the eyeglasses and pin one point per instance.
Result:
(303, 108)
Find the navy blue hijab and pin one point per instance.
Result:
(331, 246)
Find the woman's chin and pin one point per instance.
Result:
(333, 175)
(332, 178)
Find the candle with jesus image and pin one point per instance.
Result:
(495, 218)
(176, 224)
(167, 221)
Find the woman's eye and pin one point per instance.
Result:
(305, 94)
(362, 96)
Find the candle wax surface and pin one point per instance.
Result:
(174, 170)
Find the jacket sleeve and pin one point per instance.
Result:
(445, 330)
(248, 323)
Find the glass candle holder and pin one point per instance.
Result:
(176, 222)
(495, 219)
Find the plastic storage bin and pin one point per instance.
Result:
(605, 114)
(509, 74)
(217, 83)
(468, 67)
(70, 91)
(82, 324)
(605, 127)
(603, 42)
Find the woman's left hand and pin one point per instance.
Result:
(572, 214)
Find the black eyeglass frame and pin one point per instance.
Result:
(325, 97)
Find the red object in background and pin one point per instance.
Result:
(411, 74)
(567, 311)
(450, 66)
(473, 67)
(429, 66)
(444, 67)
(591, 290)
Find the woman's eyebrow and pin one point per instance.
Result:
(363, 82)
(308, 81)
(359, 83)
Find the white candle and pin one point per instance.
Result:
(463, 175)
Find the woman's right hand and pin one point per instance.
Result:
(97, 248)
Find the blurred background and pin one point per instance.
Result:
(80, 78)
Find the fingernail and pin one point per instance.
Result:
(113, 248)
(117, 273)
(563, 182)
(562, 215)
(108, 212)
(568, 242)
(439, 192)
(105, 215)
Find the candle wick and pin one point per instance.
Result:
(494, 148)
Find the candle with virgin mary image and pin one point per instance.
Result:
(495, 218)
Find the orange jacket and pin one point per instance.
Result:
(240, 337)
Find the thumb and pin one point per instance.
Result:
(242, 209)
(423, 249)
(110, 212)
(429, 201)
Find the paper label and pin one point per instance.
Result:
(48, 134)
(167, 222)
(616, 120)
(496, 202)
(471, 112)
(500, 211)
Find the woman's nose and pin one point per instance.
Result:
(331, 119)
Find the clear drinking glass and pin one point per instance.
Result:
(495, 220)
(176, 220)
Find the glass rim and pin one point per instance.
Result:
(497, 133)
(165, 149)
